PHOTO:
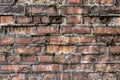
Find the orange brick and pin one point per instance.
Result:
(72, 40)
(73, 1)
(87, 39)
(6, 19)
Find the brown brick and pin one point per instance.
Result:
(47, 76)
(73, 1)
(103, 39)
(117, 58)
(91, 49)
(105, 58)
(76, 29)
(116, 39)
(103, 67)
(79, 76)
(91, 20)
(29, 59)
(22, 40)
(23, 20)
(50, 67)
(72, 40)
(89, 58)
(47, 30)
(115, 67)
(5, 76)
(20, 30)
(45, 58)
(56, 39)
(51, 10)
(71, 10)
(65, 76)
(87, 39)
(40, 19)
(27, 49)
(59, 49)
(5, 49)
(93, 2)
(15, 68)
(109, 76)
(18, 76)
(107, 30)
(74, 59)
(6, 39)
(118, 75)
(6, 2)
(2, 58)
(114, 49)
(33, 76)
(6, 19)
(95, 76)
(103, 2)
(60, 58)
(13, 59)
(73, 19)
(38, 39)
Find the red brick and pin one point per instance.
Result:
(38, 39)
(117, 58)
(105, 58)
(95, 76)
(15, 68)
(5, 49)
(117, 20)
(35, 9)
(27, 50)
(116, 39)
(40, 19)
(59, 49)
(6, 19)
(47, 30)
(103, 2)
(20, 30)
(22, 40)
(13, 59)
(103, 67)
(79, 76)
(72, 40)
(115, 67)
(29, 59)
(73, 1)
(71, 10)
(109, 76)
(73, 19)
(91, 49)
(60, 58)
(91, 20)
(76, 29)
(2, 58)
(5, 76)
(87, 39)
(74, 59)
(18, 76)
(66, 76)
(23, 20)
(51, 10)
(45, 58)
(114, 49)
(49, 67)
(107, 30)
(103, 39)
(56, 39)
(89, 58)
(6, 39)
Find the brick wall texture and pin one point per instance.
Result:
(59, 39)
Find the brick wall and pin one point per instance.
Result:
(59, 40)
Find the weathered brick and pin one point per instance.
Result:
(13, 59)
(114, 49)
(20, 30)
(27, 50)
(59, 49)
(49, 67)
(33, 76)
(103, 67)
(18, 76)
(105, 58)
(104, 2)
(60, 59)
(107, 30)
(72, 40)
(117, 58)
(45, 58)
(6, 2)
(116, 39)
(6, 39)
(47, 76)
(22, 40)
(55, 19)
(5, 76)
(73, 19)
(71, 10)
(38, 39)
(66, 76)
(29, 59)
(79, 76)
(73, 1)
(91, 49)
(89, 58)
(76, 29)
(6, 49)
(96, 76)
(15, 68)
(6, 19)
(91, 20)
(2, 58)
(108, 76)
(47, 30)
(23, 20)
(74, 59)
(93, 2)
(103, 39)
(87, 39)
(56, 39)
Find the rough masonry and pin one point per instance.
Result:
(59, 40)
